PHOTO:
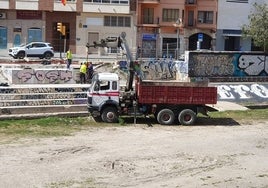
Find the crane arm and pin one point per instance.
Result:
(121, 42)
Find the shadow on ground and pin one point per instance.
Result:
(201, 121)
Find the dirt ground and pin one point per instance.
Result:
(229, 155)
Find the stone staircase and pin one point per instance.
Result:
(38, 100)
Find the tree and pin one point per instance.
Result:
(257, 28)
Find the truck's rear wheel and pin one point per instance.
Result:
(109, 115)
(187, 117)
(165, 117)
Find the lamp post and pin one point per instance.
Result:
(178, 25)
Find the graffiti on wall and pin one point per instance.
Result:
(226, 64)
(42, 96)
(201, 65)
(44, 76)
(253, 65)
(159, 69)
(243, 92)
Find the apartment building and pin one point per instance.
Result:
(166, 28)
(232, 14)
(85, 21)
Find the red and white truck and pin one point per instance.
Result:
(168, 101)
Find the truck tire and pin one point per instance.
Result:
(187, 117)
(97, 119)
(109, 115)
(165, 117)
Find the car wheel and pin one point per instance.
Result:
(21, 55)
(47, 55)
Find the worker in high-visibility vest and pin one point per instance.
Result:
(83, 72)
(69, 57)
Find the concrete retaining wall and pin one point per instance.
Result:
(45, 99)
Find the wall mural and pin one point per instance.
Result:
(159, 69)
(44, 76)
(206, 64)
(243, 92)
(42, 96)
(226, 64)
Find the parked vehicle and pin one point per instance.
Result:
(33, 49)
(169, 102)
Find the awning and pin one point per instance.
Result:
(231, 33)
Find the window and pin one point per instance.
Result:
(205, 17)
(148, 16)
(120, 21)
(114, 85)
(117, 21)
(104, 85)
(170, 15)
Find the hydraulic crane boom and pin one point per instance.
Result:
(121, 43)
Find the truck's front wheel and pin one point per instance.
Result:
(165, 117)
(109, 115)
(187, 117)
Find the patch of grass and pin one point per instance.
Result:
(65, 126)
(256, 114)
(45, 127)
(89, 182)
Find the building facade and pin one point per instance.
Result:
(23, 21)
(232, 15)
(166, 28)
(154, 28)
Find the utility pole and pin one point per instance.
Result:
(178, 25)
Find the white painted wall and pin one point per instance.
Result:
(234, 15)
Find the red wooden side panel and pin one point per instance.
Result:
(176, 95)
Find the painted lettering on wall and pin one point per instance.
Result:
(211, 65)
(253, 65)
(44, 76)
(227, 64)
(243, 92)
(162, 69)
(42, 96)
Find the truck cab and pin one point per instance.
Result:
(103, 97)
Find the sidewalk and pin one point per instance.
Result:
(76, 57)
(225, 106)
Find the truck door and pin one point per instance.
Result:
(104, 91)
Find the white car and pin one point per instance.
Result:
(33, 49)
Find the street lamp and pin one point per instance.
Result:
(178, 25)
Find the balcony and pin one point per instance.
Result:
(27, 5)
(190, 3)
(4, 4)
(149, 1)
(70, 7)
(106, 8)
(149, 22)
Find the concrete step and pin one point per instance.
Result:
(35, 100)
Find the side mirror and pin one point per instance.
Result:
(97, 86)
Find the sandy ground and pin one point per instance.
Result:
(141, 156)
